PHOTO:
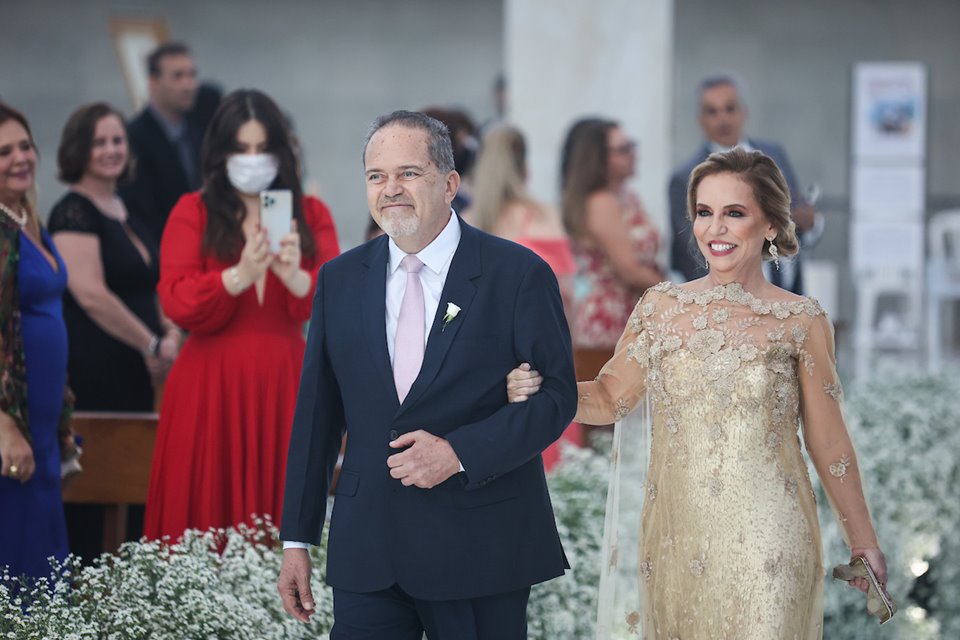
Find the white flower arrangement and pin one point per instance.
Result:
(906, 429)
(566, 607)
(214, 584)
(221, 584)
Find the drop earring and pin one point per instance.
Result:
(774, 253)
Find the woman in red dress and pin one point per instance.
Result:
(229, 398)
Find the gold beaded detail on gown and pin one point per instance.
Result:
(730, 542)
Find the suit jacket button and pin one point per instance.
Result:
(393, 435)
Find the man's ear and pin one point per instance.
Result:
(453, 184)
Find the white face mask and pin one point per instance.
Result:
(251, 174)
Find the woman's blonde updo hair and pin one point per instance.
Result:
(769, 189)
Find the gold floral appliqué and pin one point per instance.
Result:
(839, 469)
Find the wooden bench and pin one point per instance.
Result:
(117, 454)
(587, 364)
(116, 460)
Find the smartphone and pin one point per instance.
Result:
(276, 212)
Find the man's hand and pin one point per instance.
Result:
(427, 462)
(294, 584)
(804, 215)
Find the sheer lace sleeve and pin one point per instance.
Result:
(74, 213)
(826, 436)
(623, 380)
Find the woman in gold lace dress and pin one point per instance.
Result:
(736, 370)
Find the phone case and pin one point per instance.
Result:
(276, 212)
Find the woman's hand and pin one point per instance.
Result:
(286, 264)
(68, 445)
(15, 452)
(523, 382)
(254, 259)
(877, 562)
(170, 346)
(156, 367)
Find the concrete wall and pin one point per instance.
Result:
(333, 66)
(569, 59)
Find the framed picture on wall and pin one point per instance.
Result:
(134, 39)
(890, 110)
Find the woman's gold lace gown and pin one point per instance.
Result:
(730, 542)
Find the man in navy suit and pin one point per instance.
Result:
(164, 138)
(441, 520)
(722, 118)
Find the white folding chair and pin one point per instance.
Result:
(943, 282)
(898, 331)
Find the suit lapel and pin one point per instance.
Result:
(459, 289)
(374, 317)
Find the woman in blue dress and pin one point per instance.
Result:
(34, 399)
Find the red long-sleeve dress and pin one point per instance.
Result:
(229, 399)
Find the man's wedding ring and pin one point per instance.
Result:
(14, 471)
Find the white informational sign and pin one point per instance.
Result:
(889, 193)
(890, 111)
(886, 246)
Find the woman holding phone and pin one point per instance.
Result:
(229, 399)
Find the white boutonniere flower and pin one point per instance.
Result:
(452, 311)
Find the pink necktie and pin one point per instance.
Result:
(408, 348)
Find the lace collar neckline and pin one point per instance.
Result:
(734, 292)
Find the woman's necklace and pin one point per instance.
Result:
(20, 219)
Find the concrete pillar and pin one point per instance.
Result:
(614, 58)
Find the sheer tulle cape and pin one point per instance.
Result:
(620, 598)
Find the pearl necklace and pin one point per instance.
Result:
(20, 219)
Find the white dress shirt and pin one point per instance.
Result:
(436, 258)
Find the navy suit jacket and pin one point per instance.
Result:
(486, 531)
(685, 257)
(159, 177)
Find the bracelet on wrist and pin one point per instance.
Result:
(233, 273)
(154, 347)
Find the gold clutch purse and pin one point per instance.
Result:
(879, 602)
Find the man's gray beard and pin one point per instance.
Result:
(400, 228)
